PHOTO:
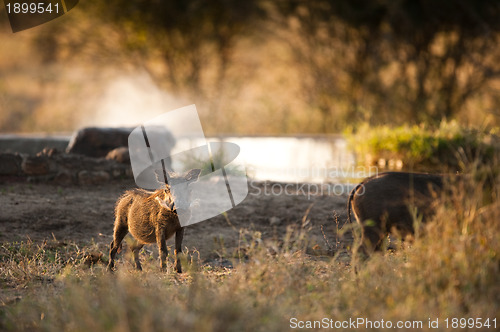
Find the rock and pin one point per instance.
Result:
(40, 178)
(129, 173)
(49, 165)
(96, 177)
(10, 164)
(64, 177)
(120, 155)
(122, 173)
(116, 173)
(274, 221)
(35, 165)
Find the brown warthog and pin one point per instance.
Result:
(387, 202)
(152, 217)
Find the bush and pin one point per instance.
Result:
(447, 148)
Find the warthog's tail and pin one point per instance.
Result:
(351, 196)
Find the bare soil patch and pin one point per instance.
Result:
(85, 214)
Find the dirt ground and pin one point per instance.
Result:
(85, 214)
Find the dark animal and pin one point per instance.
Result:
(152, 217)
(385, 203)
(97, 142)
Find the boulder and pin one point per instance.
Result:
(35, 165)
(10, 164)
(274, 221)
(93, 177)
(64, 177)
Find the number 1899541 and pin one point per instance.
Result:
(31, 8)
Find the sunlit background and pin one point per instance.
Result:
(253, 67)
(256, 68)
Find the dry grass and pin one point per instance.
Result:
(450, 270)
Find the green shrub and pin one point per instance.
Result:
(447, 148)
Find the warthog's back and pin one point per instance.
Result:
(388, 197)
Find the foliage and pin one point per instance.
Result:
(363, 60)
(449, 147)
(261, 67)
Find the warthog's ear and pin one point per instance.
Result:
(193, 175)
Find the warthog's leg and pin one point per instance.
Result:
(162, 246)
(120, 232)
(371, 239)
(178, 249)
(136, 247)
